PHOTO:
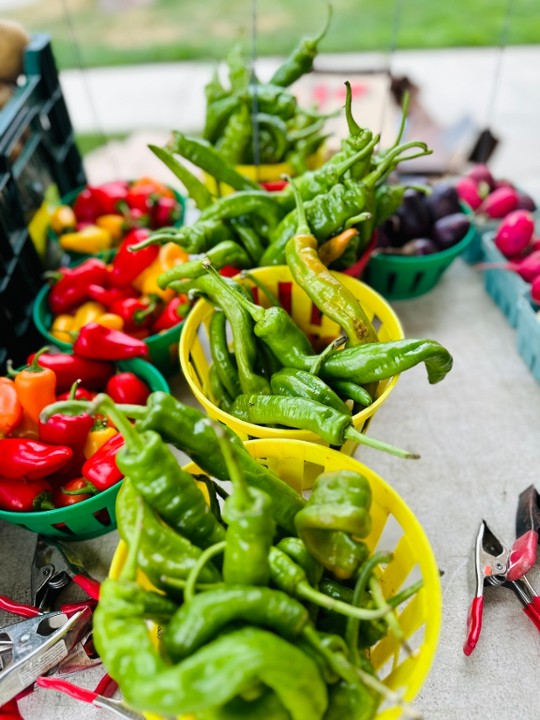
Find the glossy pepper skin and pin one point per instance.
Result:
(170, 316)
(101, 468)
(63, 429)
(32, 459)
(169, 490)
(187, 429)
(97, 342)
(163, 553)
(70, 289)
(250, 526)
(11, 410)
(222, 358)
(210, 677)
(69, 368)
(224, 253)
(25, 496)
(127, 265)
(336, 514)
(301, 384)
(324, 289)
(207, 614)
(300, 61)
(35, 386)
(127, 388)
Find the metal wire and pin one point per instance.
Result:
(254, 83)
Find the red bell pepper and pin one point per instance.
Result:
(95, 341)
(73, 492)
(33, 459)
(86, 207)
(126, 265)
(165, 211)
(170, 315)
(71, 286)
(108, 296)
(25, 496)
(68, 368)
(137, 313)
(127, 388)
(70, 430)
(101, 469)
(109, 196)
(141, 197)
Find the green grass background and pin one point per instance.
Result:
(92, 33)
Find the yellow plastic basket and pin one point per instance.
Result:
(396, 529)
(195, 358)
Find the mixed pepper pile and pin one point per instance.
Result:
(68, 458)
(116, 303)
(101, 215)
(266, 602)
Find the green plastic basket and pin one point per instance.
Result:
(399, 277)
(95, 516)
(162, 348)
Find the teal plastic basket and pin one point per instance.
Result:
(95, 516)
(399, 277)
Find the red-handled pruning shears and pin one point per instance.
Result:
(497, 565)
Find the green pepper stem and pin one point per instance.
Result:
(241, 488)
(154, 239)
(75, 407)
(390, 696)
(404, 112)
(337, 663)
(305, 590)
(354, 128)
(180, 584)
(256, 311)
(274, 301)
(328, 350)
(302, 227)
(353, 625)
(104, 403)
(355, 219)
(352, 434)
(390, 158)
(390, 619)
(34, 366)
(405, 594)
(348, 163)
(205, 556)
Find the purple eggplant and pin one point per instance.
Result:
(415, 220)
(449, 230)
(444, 200)
(420, 246)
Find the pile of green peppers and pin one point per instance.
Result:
(354, 188)
(266, 603)
(270, 374)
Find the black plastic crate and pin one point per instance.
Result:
(38, 158)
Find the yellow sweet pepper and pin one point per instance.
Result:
(86, 313)
(62, 219)
(62, 327)
(169, 255)
(91, 239)
(114, 223)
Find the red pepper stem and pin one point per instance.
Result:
(104, 403)
(352, 434)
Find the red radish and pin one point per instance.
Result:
(499, 203)
(514, 233)
(467, 190)
(535, 290)
(481, 174)
(528, 267)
